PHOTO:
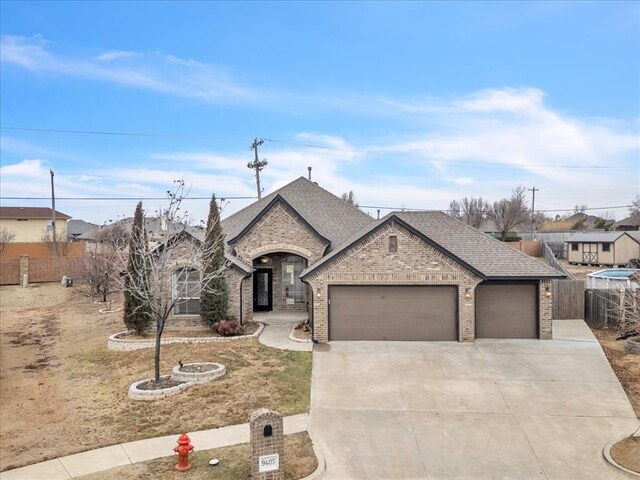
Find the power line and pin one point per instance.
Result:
(326, 149)
(486, 211)
(122, 198)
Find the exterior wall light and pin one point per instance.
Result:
(467, 293)
(264, 259)
(547, 292)
(318, 293)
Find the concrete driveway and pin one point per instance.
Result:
(494, 409)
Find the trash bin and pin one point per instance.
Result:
(69, 282)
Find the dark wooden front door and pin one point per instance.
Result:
(590, 253)
(262, 290)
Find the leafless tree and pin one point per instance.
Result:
(6, 237)
(152, 280)
(509, 213)
(350, 198)
(471, 210)
(539, 219)
(580, 208)
(98, 274)
(114, 237)
(62, 241)
(634, 211)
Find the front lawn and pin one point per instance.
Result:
(63, 392)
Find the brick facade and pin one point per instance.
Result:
(261, 445)
(39, 270)
(545, 309)
(369, 262)
(279, 230)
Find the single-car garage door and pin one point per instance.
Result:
(393, 313)
(506, 311)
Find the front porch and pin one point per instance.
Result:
(274, 317)
(277, 288)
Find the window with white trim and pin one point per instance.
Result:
(186, 289)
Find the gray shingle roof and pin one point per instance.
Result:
(490, 258)
(29, 212)
(330, 216)
(595, 237)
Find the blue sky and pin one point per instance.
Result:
(418, 103)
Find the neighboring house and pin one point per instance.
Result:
(602, 248)
(489, 227)
(577, 221)
(29, 223)
(407, 276)
(627, 224)
(77, 227)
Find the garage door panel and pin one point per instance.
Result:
(506, 311)
(392, 313)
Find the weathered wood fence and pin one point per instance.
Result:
(568, 299)
(600, 307)
(550, 257)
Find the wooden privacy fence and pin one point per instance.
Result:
(551, 259)
(568, 299)
(600, 307)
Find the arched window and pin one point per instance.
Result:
(186, 290)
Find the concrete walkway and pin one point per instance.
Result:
(492, 409)
(277, 330)
(139, 451)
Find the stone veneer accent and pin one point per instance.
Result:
(369, 262)
(280, 230)
(261, 445)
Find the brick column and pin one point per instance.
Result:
(267, 445)
(24, 269)
(545, 299)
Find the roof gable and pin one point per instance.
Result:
(276, 199)
(328, 215)
(485, 256)
(30, 212)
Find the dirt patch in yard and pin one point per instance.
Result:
(300, 461)
(62, 391)
(625, 365)
(627, 453)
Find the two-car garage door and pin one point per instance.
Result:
(430, 312)
(393, 313)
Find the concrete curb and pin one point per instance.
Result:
(119, 344)
(294, 339)
(606, 452)
(319, 472)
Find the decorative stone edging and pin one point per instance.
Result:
(106, 310)
(122, 344)
(149, 395)
(632, 345)
(198, 377)
(607, 455)
(293, 338)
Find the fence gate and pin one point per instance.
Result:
(568, 299)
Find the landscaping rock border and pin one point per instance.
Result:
(607, 455)
(632, 346)
(149, 395)
(106, 310)
(293, 338)
(122, 344)
(198, 377)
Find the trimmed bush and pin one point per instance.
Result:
(229, 328)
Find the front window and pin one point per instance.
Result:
(186, 290)
(606, 247)
(293, 291)
(574, 247)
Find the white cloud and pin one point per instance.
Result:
(115, 54)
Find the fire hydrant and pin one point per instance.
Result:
(183, 449)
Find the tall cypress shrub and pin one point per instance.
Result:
(137, 312)
(214, 296)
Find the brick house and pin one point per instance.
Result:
(407, 276)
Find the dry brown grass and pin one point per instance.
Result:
(300, 461)
(625, 365)
(62, 391)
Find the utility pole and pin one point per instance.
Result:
(53, 218)
(257, 165)
(533, 209)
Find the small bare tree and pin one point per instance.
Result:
(471, 210)
(154, 277)
(634, 211)
(6, 237)
(350, 198)
(62, 241)
(509, 213)
(113, 237)
(98, 274)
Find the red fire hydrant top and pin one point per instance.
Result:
(183, 449)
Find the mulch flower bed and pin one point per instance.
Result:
(167, 382)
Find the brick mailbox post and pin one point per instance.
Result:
(267, 445)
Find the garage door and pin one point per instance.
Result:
(392, 313)
(506, 311)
